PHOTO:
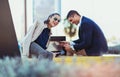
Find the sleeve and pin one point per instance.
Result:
(86, 37)
(71, 44)
(76, 41)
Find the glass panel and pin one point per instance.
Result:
(17, 10)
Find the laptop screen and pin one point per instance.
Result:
(8, 40)
(54, 43)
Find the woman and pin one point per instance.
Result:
(36, 40)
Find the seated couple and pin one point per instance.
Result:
(91, 40)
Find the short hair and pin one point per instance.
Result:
(72, 12)
(47, 21)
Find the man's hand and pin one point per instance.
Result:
(67, 47)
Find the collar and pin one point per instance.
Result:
(80, 21)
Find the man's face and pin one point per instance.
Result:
(73, 19)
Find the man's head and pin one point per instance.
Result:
(73, 17)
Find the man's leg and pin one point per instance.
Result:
(81, 52)
(78, 53)
(70, 53)
(36, 50)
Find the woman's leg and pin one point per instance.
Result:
(36, 50)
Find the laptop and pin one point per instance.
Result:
(8, 40)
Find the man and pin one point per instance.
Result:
(91, 38)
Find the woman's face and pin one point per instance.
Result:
(54, 20)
